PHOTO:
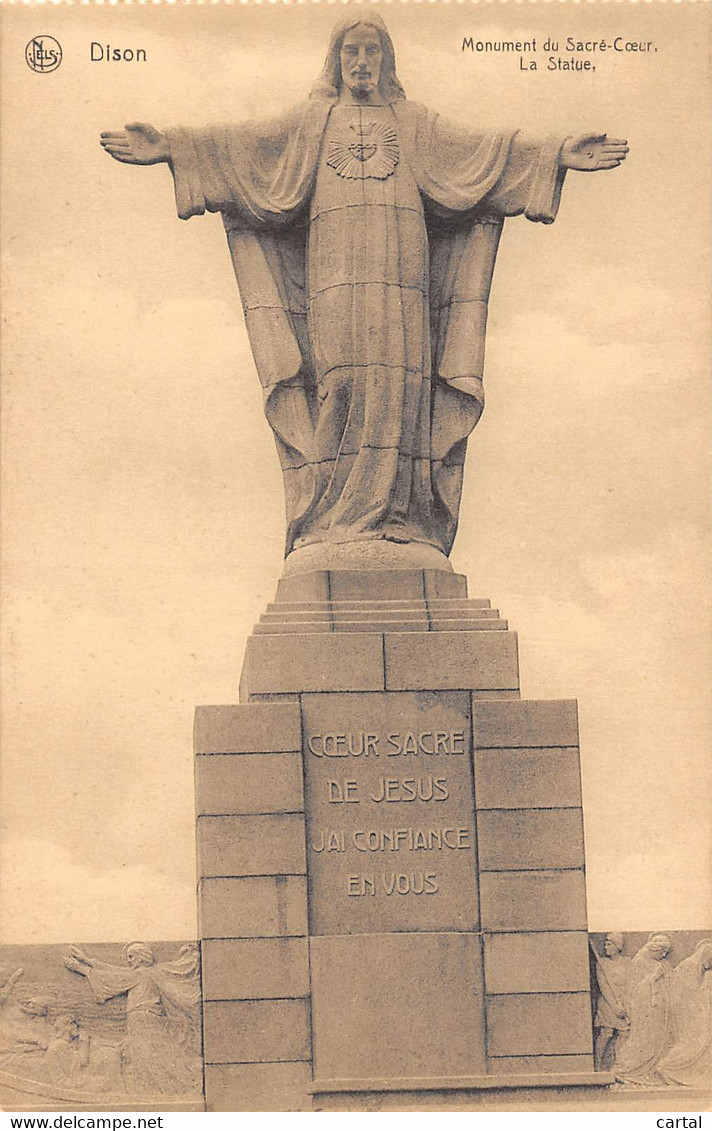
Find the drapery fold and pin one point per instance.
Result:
(260, 177)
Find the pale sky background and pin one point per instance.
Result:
(143, 520)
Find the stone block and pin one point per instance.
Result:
(250, 728)
(530, 722)
(372, 612)
(299, 614)
(251, 846)
(573, 1092)
(413, 1004)
(291, 628)
(323, 662)
(340, 608)
(479, 695)
(249, 1031)
(538, 1065)
(255, 968)
(451, 660)
(464, 610)
(439, 584)
(530, 901)
(467, 624)
(518, 839)
(536, 962)
(276, 697)
(381, 626)
(253, 907)
(315, 609)
(303, 587)
(525, 778)
(380, 585)
(258, 1087)
(481, 604)
(248, 783)
(539, 1024)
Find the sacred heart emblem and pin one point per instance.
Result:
(362, 152)
(365, 149)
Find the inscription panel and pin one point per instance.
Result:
(390, 812)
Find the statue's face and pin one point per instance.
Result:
(361, 56)
(133, 958)
(610, 948)
(659, 950)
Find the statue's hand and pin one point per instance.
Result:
(590, 152)
(74, 965)
(139, 144)
(78, 955)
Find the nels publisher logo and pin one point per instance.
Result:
(43, 54)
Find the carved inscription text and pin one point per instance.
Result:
(390, 812)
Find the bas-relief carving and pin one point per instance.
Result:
(363, 231)
(129, 1031)
(653, 1019)
(689, 1061)
(613, 979)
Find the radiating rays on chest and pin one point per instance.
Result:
(365, 147)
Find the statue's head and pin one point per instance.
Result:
(138, 954)
(361, 57)
(658, 945)
(613, 943)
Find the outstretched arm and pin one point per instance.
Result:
(138, 144)
(589, 153)
(78, 961)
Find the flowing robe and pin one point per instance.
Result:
(158, 1000)
(651, 1020)
(365, 292)
(689, 1061)
(66, 1061)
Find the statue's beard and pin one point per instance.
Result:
(361, 87)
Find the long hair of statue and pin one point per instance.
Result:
(329, 82)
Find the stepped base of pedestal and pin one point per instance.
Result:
(464, 1083)
(599, 1096)
(408, 630)
(288, 1087)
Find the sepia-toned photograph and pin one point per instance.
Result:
(355, 553)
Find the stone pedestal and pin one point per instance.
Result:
(390, 855)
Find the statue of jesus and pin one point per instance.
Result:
(363, 231)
